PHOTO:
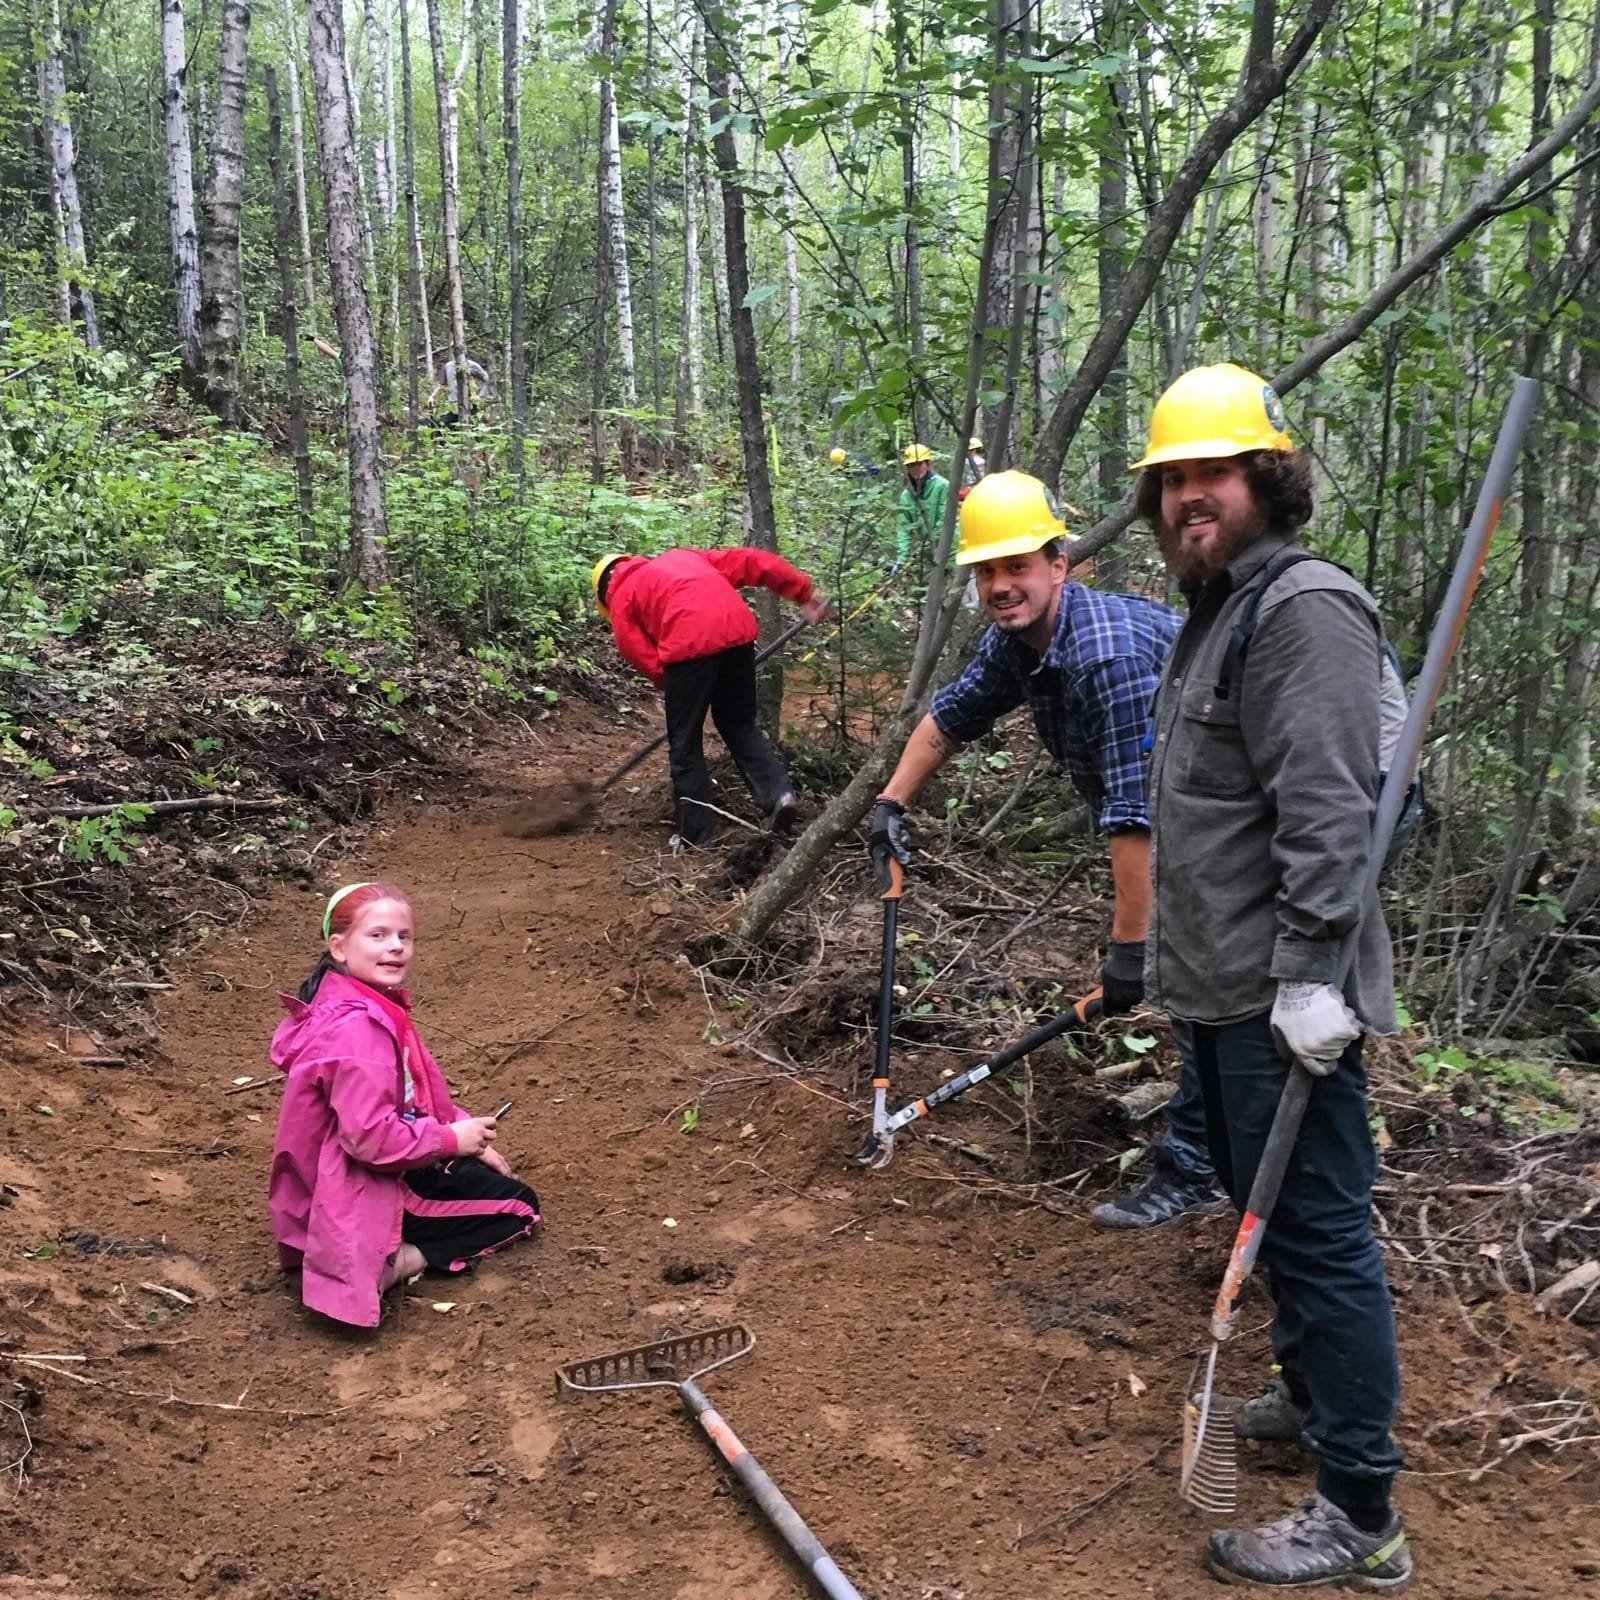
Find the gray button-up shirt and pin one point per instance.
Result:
(1262, 800)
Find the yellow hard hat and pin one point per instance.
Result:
(837, 456)
(1215, 411)
(1006, 514)
(599, 573)
(974, 443)
(915, 453)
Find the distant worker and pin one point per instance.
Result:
(479, 389)
(1264, 777)
(1087, 664)
(837, 457)
(922, 502)
(974, 467)
(677, 618)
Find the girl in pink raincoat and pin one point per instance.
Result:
(376, 1174)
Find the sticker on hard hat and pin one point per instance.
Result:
(1274, 408)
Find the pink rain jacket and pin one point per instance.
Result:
(335, 1189)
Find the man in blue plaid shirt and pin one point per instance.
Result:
(1087, 663)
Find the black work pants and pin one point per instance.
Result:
(725, 685)
(1333, 1333)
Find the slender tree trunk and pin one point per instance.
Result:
(445, 97)
(511, 135)
(613, 226)
(746, 359)
(73, 267)
(180, 182)
(297, 140)
(480, 128)
(283, 233)
(690, 353)
(383, 170)
(395, 244)
(907, 135)
(714, 242)
(336, 143)
(221, 202)
(417, 320)
(651, 205)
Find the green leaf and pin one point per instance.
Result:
(759, 297)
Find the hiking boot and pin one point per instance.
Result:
(1315, 1544)
(781, 818)
(1163, 1197)
(1273, 1414)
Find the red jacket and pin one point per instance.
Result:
(683, 604)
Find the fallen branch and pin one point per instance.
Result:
(1070, 1519)
(157, 808)
(43, 1364)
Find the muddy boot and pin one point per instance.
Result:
(1272, 1414)
(1163, 1197)
(781, 818)
(1315, 1544)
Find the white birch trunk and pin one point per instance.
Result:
(73, 268)
(445, 96)
(297, 142)
(396, 242)
(341, 169)
(180, 182)
(691, 361)
(221, 204)
(382, 139)
(612, 219)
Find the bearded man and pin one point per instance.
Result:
(1263, 783)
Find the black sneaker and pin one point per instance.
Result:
(1272, 1415)
(1163, 1197)
(1315, 1544)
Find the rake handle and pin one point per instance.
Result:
(767, 1495)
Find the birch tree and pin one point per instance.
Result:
(336, 145)
(690, 352)
(72, 267)
(419, 333)
(221, 201)
(297, 150)
(444, 89)
(612, 224)
(180, 183)
(511, 138)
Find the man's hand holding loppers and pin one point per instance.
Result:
(1121, 982)
(1312, 1023)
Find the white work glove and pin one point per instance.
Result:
(1312, 1023)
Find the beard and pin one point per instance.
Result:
(1196, 565)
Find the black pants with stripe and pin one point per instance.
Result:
(725, 685)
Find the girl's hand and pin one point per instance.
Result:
(496, 1162)
(474, 1135)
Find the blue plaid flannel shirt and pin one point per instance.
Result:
(1091, 694)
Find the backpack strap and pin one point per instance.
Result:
(1244, 623)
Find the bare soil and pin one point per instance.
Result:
(967, 1397)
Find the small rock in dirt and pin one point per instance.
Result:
(194, 1566)
(590, 1498)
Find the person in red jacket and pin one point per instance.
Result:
(678, 618)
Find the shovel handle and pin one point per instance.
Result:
(768, 1496)
(661, 738)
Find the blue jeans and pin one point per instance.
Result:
(1333, 1332)
(1183, 1151)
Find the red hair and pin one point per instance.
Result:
(341, 917)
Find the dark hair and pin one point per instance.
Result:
(1280, 479)
(340, 919)
(1052, 548)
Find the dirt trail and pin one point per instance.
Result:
(936, 1378)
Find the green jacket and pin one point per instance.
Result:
(921, 518)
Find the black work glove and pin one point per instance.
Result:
(1122, 977)
(887, 839)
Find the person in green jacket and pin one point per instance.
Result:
(921, 518)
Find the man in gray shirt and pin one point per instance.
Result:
(1263, 782)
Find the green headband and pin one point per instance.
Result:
(333, 900)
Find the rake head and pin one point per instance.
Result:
(1210, 1480)
(663, 1364)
